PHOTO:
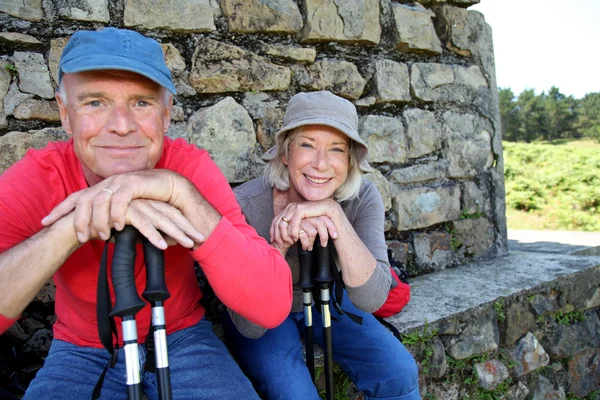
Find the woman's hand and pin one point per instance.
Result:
(303, 221)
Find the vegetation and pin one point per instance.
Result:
(553, 185)
(529, 117)
(499, 307)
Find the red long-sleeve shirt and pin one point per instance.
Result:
(247, 274)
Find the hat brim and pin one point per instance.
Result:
(112, 62)
(361, 156)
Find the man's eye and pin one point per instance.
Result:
(142, 103)
(95, 103)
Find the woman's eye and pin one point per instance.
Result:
(338, 150)
(306, 145)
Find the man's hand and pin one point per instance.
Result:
(152, 201)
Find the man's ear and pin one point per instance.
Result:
(167, 116)
(62, 110)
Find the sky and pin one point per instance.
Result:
(543, 43)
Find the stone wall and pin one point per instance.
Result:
(421, 75)
(523, 326)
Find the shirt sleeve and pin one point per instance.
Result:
(6, 323)
(368, 224)
(246, 273)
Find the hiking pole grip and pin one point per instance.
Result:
(156, 293)
(325, 276)
(305, 281)
(127, 300)
(127, 304)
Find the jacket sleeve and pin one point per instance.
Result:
(246, 273)
(368, 224)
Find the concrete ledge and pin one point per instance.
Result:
(453, 291)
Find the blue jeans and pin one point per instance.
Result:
(376, 362)
(200, 366)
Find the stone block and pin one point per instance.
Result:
(18, 38)
(385, 137)
(479, 336)
(433, 251)
(339, 77)
(432, 82)
(37, 109)
(475, 235)
(56, 48)
(226, 131)
(391, 82)
(30, 10)
(469, 144)
(187, 16)
(414, 29)
(82, 10)
(519, 321)
(383, 186)
(584, 372)
(423, 207)
(220, 68)
(259, 16)
(343, 21)
(302, 55)
(14, 145)
(423, 132)
(421, 172)
(34, 76)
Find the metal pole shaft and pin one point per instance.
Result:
(163, 375)
(327, 341)
(310, 351)
(132, 358)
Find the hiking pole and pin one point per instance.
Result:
(156, 293)
(324, 276)
(305, 259)
(127, 304)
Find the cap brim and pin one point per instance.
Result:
(112, 62)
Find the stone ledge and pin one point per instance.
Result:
(446, 293)
(521, 326)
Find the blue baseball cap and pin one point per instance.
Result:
(116, 49)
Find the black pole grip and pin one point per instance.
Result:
(323, 271)
(305, 261)
(127, 300)
(156, 287)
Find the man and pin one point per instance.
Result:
(58, 205)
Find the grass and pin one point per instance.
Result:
(553, 185)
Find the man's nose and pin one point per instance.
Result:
(121, 120)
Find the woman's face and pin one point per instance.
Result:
(318, 160)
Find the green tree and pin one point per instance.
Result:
(533, 121)
(560, 113)
(588, 118)
(509, 115)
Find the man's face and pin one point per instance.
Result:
(117, 119)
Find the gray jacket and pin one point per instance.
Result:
(367, 216)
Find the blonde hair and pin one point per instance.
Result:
(277, 175)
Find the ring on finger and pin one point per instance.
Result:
(301, 231)
(284, 219)
(108, 190)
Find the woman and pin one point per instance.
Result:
(313, 185)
